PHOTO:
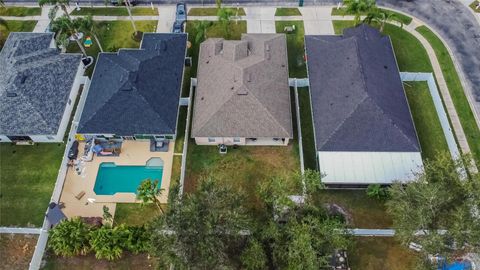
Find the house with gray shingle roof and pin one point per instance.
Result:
(38, 88)
(135, 93)
(364, 132)
(242, 95)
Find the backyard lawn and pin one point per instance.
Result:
(15, 26)
(287, 12)
(398, 16)
(456, 90)
(364, 212)
(27, 178)
(134, 214)
(213, 11)
(20, 11)
(425, 117)
(380, 253)
(115, 11)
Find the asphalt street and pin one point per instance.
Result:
(450, 18)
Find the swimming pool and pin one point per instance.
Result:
(112, 178)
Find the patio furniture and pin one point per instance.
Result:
(159, 145)
(80, 195)
(107, 148)
(289, 29)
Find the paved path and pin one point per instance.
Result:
(317, 20)
(260, 19)
(13, 230)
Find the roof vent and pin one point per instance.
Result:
(10, 94)
(385, 67)
(163, 46)
(267, 47)
(249, 77)
(24, 78)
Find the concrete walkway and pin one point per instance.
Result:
(13, 230)
(317, 20)
(260, 19)
(166, 18)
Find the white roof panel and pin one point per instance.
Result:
(368, 167)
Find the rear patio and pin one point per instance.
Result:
(132, 153)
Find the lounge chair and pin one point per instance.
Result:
(80, 195)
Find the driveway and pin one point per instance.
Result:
(260, 19)
(166, 17)
(317, 20)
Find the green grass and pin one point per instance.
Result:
(27, 178)
(127, 262)
(176, 170)
(473, 6)
(20, 11)
(114, 35)
(455, 88)
(287, 12)
(15, 26)
(429, 131)
(398, 16)
(379, 253)
(365, 212)
(295, 48)
(308, 139)
(134, 214)
(115, 11)
(213, 11)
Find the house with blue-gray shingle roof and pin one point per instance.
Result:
(135, 93)
(38, 88)
(363, 128)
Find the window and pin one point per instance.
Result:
(170, 137)
(211, 139)
(50, 138)
(236, 140)
(69, 102)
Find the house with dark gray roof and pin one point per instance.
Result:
(135, 93)
(38, 88)
(242, 95)
(364, 132)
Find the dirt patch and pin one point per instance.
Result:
(16, 250)
(89, 262)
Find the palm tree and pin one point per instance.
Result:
(358, 8)
(66, 28)
(148, 192)
(88, 25)
(2, 4)
(62, 3)
(201, 28)
(381, 17)
(128, 6)
(224, 16)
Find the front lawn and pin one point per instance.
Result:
(380, 253)
(134, 214)
(15, 26)
(113, 35)
(20, 11)
(27, 179)
(473, 6)
(456, 90)
(295, 48)
(287, 12)
(115, 11)
(425, 117)
(213, 11)
(365, 212)
(398, 16)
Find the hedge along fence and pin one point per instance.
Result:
(74, 237)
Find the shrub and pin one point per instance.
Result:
(376, 191)
(70, 238)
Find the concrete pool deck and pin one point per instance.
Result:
(133, 153)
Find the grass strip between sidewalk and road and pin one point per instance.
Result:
(114, 11)
(399, 17)
(20, 11)
(456, 90)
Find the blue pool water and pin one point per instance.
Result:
(112, 178)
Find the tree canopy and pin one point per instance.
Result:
(443, 204)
